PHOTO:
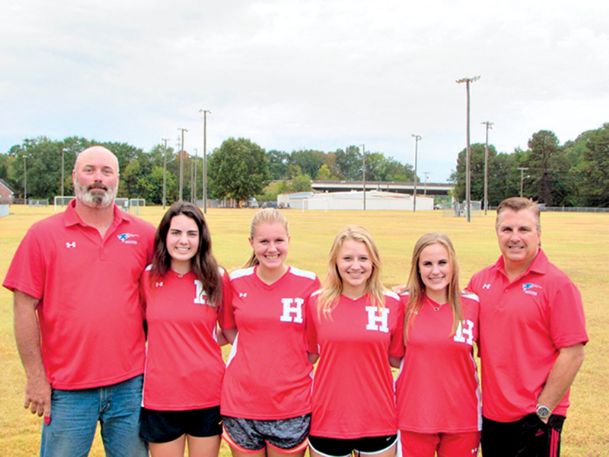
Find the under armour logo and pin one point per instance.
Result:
(70, 245)
(486, 285)
(242, 294)
(158, 284)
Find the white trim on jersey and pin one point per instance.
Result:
(233, 350)
(470, 295)
(303, 273)
(241, 273)
(391, 294)
(149, 268)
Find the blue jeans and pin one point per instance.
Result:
(74, 417)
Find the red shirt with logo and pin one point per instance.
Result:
(268, 374)
(437, 389)
(353, 392)
(89, 310)
(184, 365)
(523, 325)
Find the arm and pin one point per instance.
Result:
(562, 375)
(27, 336)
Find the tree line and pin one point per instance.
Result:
(575, 173)
(237, 170)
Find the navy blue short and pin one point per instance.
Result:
(165, 426)
(334, 447)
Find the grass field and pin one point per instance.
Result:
(577, 243)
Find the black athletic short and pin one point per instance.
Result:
(527, 437)
(334, 447)
(165, 426)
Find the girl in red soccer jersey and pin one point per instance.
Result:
(437, 389)
(183, 291)
(356, 328)
(266, 395)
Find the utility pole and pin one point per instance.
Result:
(364, 172)
(204, 111)
(24, 180)
(414, 192)
(182, 130)
(489, 125)
(467, 82)
(522, 170)
(62, 173)
(164, 140)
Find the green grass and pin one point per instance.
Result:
(577, 243)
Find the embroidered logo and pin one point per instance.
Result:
(242, 294)
(127, 238)
(70, 245)
(531, 289)
(158, 284)
(486, 285)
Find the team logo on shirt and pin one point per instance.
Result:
(158, 284)
(200, 295)
(377, 319)
(486, 285)
(465, 332)
(70, 244)
(531, 289)
(127, 238)
(292, 310)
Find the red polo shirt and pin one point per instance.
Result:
(89, 311)
(523, 325)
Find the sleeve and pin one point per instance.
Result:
(396, 345)
(310, 330)
(567, 321)
(225, 313)
(144, 288)
(472, 284)
(27, 271)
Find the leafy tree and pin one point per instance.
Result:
(308, 160)
(324, 173)
(349, 163)
(278, 163)
(301, 183)
(238, 169)
(548, 168)
(594, 170)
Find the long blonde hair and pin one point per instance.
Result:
(416, 287)
(333, 286)
(265, 216)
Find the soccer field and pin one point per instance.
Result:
(577, 243)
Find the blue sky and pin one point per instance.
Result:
(304, 74)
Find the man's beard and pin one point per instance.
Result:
(89, 197)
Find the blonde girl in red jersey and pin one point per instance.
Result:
(183, 291)
(355, 328)
(437, 389)
(266, 395)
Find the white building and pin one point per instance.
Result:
(375, 200)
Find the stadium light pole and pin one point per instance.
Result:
(489, 125)
(164, 140)
(182, 130)
(24, 179)
(522, 170)
(417, 138)
(204, 111)
(194, 176)
(364, 172)
(63, 150)
(467, 82)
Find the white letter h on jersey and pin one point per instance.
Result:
(376, 321)
(292, 313)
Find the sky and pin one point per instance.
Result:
(307, 74)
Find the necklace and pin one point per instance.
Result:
(436, 306)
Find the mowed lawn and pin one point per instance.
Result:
(577, 243)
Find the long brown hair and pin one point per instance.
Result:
(203, 264)
(416, 287)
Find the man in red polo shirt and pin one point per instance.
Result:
(78, 316)
(532, 337)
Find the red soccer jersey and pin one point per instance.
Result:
(90, 315)
(268, 374)
(523, 325)
(353, 393)
(437, 389)
(184, 365)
